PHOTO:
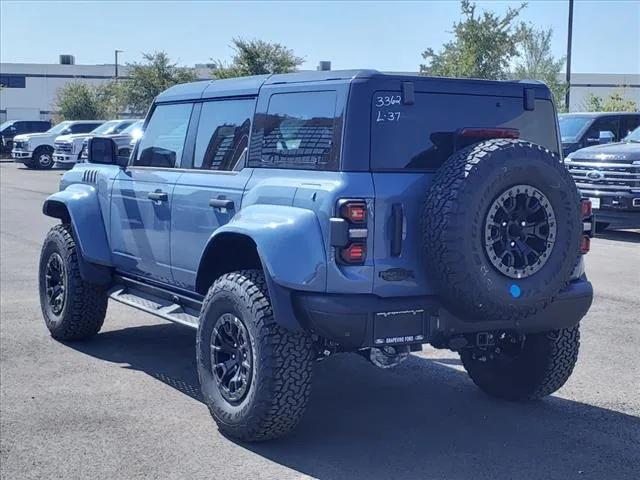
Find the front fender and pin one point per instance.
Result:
(289, 242)
(80, 203)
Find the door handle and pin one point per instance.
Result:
(221, 203)
(158, 196)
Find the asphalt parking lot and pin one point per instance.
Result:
(126, 404)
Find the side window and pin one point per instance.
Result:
(82, 127)
(120, 127)
(297, 132)
(628, 123)
(223, 134)
(11, 80)
(606, 124)
(163, 140)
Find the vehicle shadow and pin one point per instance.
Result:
(631, 236)
(423, 419)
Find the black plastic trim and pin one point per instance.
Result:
(397, 218)
(348, 319)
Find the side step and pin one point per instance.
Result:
(157, 301)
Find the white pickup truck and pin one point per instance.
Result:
(35, 150)
(67, 148)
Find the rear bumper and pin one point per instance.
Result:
(618, 218)
(357, 321)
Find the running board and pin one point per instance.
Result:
(157, 301)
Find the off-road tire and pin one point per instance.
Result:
(38, 156)
(543, 366)
(85, 304)
(453, 229)
(29, 163)
(282, 361)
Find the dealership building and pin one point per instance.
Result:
(29, 89)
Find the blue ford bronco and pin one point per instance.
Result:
(291, 217)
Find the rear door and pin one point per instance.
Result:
(209, 194)
(142, 196)
(84, 127)
(409, 142)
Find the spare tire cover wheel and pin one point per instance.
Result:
(501, 230)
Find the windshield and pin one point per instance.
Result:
(134, 126)
(134, 130)
(59, 127)
(106, 128)
(571, 127)
(633, 136)
(5, 125)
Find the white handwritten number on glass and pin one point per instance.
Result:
(388, 101)
(388, 116)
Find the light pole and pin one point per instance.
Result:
(116, 63)
(569, 34)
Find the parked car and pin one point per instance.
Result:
(68, 147)
(11, 128)
(610, 176)
(581, 130)
(290, 217)
(124, 140)
(35, 150)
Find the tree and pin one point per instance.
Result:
(256, 57)
(82, 101)
(615, 102)
(536, 61)
(483, 45)
(147, 79)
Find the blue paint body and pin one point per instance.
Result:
(284, 212)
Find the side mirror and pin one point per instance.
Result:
(102, 151)
(606, 137)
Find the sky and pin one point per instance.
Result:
(384, 35)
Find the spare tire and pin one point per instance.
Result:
(501, 230)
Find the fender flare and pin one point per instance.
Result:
(78, 205)
(290, 246)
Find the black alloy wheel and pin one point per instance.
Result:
(55, 281)
(231, 357)
(520, 231)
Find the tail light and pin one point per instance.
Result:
(349, 232)
(354, 253)
(585, 244)
(490, 132)
(588, 225)
(585, 208)
(354, 212)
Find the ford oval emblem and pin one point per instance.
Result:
(595, 175)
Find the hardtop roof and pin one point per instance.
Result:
(250, 85)
(596, 114)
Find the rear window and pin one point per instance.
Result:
(422, 136)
